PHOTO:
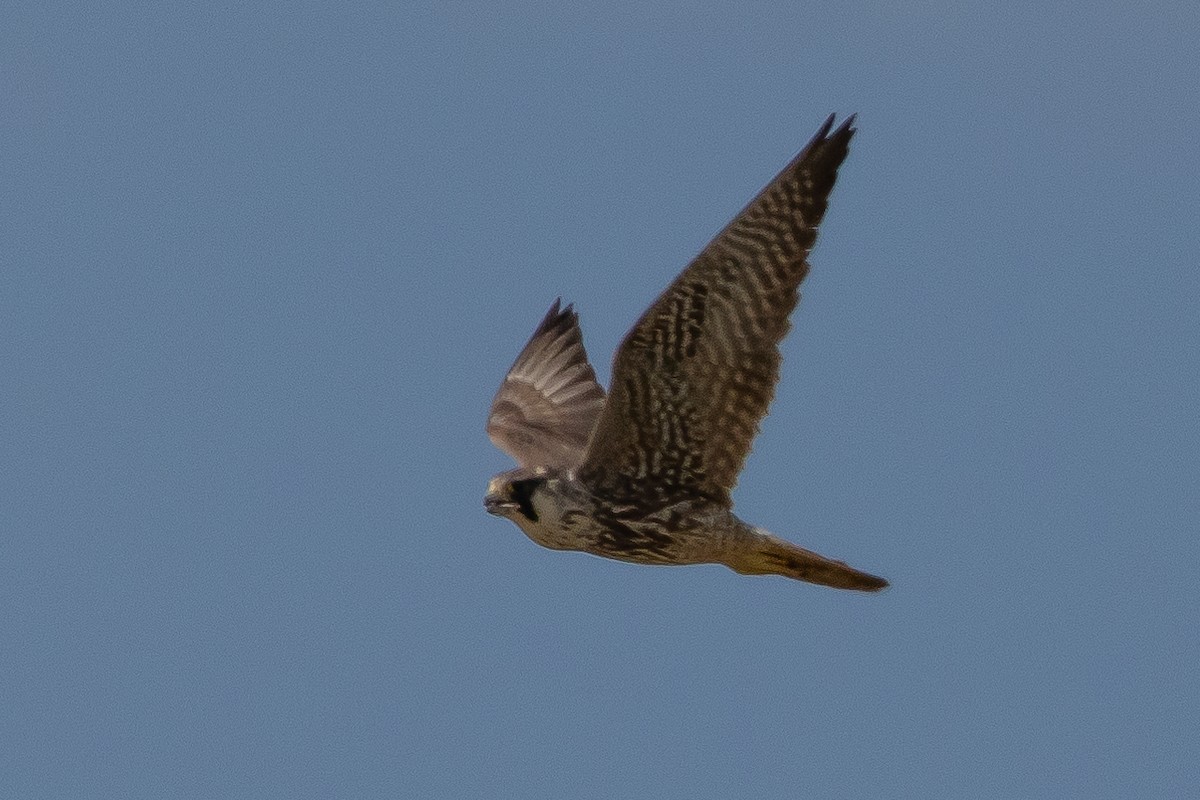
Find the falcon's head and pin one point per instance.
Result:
(542, 502)
(511, 494)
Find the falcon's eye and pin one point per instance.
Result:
(522, 494)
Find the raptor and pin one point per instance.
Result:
(644, 473)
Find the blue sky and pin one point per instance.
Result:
(263, 267)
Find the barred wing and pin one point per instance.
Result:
(695, 375)
(549, 402)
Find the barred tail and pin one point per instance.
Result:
(768, 555)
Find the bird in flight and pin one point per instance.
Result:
(644, 474)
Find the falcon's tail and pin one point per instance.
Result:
(768, 555)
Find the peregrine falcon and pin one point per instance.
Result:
(644, 474)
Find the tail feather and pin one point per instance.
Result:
(768, 555)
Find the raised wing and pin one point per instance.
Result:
(549, 402)
(694, 377)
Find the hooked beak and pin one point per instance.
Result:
(498, 499)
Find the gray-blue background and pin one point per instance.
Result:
(264, 265)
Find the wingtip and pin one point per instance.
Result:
(846, 129)
(557, 315)
(823, 140)
(827, 125)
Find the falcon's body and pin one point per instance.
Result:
(644, 475)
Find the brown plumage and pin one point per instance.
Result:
(646, 474)
(547, 407)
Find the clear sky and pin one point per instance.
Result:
(263, 266)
